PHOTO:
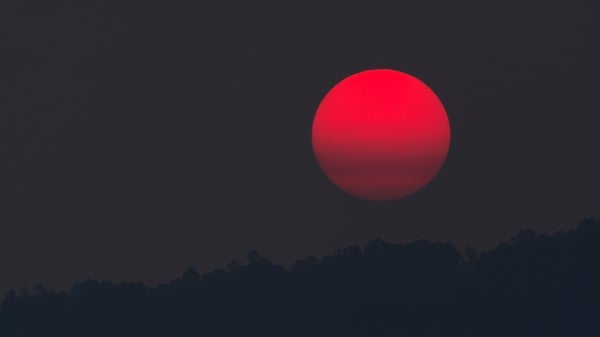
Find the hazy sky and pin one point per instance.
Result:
(138, 139)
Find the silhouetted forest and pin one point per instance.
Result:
(533, 285)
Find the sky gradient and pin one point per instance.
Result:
(138, 139)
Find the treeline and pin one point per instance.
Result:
(533, 285)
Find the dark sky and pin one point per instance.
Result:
(138, 139)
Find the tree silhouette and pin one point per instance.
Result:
(532, 285)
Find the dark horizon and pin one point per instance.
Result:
(531, 285)
(464, 251)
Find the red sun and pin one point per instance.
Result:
(381, 134)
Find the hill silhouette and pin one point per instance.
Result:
(532, 285)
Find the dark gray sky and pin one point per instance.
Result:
(138, 139)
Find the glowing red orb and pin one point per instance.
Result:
(381, 134)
